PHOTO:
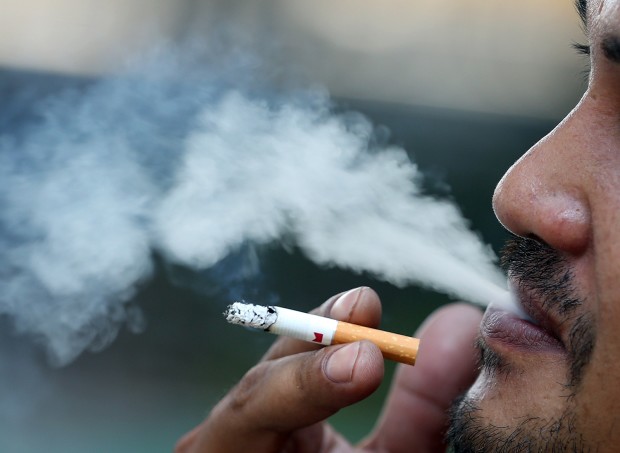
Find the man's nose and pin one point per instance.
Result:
(543, 194)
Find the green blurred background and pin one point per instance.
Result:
(465, 89)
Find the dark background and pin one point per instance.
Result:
(145, 390)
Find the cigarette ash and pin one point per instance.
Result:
(250, 315)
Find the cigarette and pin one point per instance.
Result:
(320, 330)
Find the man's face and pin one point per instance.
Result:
(554, 384)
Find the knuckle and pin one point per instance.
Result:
(325, 308)
(310, 388)
(245, 390)
(300, 377)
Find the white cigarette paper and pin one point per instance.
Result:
(320, 330)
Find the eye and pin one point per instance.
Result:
(584, 49)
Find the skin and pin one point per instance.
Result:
(281, 404)
(563, 194)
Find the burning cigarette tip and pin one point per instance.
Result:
(250, 315)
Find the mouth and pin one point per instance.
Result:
(539, 333)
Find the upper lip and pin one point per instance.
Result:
(540, 312)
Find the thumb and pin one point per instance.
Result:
(415, 415)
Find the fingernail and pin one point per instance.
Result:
(339, 367)
(343, 307)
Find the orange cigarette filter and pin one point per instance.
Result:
(393, 346)
(317, 329)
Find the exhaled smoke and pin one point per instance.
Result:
(192, 167)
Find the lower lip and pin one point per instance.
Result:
(504, 328)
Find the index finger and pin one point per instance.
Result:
(358, 306)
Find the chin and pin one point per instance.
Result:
(520, 402)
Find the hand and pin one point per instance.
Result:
(281, 403)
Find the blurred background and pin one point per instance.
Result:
(464, 87)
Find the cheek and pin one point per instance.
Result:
(598, 399)
(599, 270)
(597, 402)
(604, 257)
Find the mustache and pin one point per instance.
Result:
(545, 272)
(532, 263)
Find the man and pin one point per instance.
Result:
(548, 384)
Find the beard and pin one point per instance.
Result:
(542, 269)
(471, 433)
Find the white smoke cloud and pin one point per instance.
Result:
(156, 162)
(257, 172)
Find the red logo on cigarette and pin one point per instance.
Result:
(318, 337)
